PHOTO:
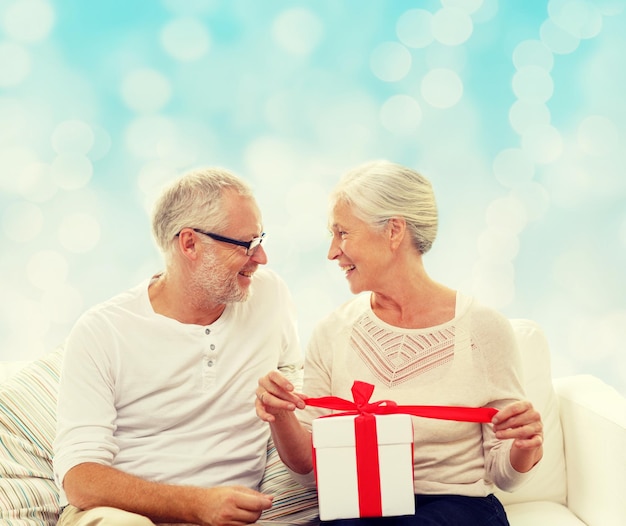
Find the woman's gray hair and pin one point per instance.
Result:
(194, 201)
(380, 190)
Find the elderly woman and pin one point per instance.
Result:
(420, 343)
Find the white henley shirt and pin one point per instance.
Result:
(174, 402)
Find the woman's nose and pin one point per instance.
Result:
(333, 251)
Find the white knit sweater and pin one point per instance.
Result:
(470, 361)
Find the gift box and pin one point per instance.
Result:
(363, 456)
(364, 465)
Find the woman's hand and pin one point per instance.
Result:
(522, 423)
(276, 402)
(275, 395)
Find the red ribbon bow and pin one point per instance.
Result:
(362, 392)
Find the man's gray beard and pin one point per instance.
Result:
(215, 285)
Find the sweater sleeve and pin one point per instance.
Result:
(502, 364)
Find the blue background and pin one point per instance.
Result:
(514, 109)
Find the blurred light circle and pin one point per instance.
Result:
(445, 57)
(29, 176)
(35, 183)
(493, 282)
(73, 137)
(579, 18)
(144, 135)
(306, 230)
(498, 245)
(298, 31)
(63, 302)
(390, 61)
(524, 115)
(79, 232)
(557, 39)
(568, 184)
(28, 21)
(610, 7)
(469, 6)
(146, 90)
(441, 88)
(598, 135)
(22, 221)
(452, 26)
(401, 114)
(186, 39)
(534, 197)
(271, 160)
(28, 318)
(46, 268)
(414, 28)
(543, 144)
(191, 7)
(506, 213)
(533, 84)
(307, 198)
(622, 231)
(346, 122)
(486, 12)
(71, 171)
(16, 64)
(533, 53)
(101, 143)
(513, 167)
(189, 140)
(154, 174)
(13, 160)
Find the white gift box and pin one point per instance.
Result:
(344, 493)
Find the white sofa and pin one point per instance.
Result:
(580, 481)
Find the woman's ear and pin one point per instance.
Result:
(397, 230)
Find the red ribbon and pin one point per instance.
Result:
(366, 442)
(362, 391)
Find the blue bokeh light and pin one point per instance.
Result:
(514, 110)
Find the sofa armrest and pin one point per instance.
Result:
(593, 417)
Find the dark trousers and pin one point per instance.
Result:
(440, 510)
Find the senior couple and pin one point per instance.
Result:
(169, 391)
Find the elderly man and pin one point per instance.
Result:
(156, 419)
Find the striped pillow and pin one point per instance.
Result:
(28, 494)
(293, 503)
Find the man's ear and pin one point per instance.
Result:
(187, 243)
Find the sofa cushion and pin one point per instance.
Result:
(541, 513)
(28, 494)
(293, 503)
(548, 482)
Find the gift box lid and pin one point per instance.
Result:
(338, 431)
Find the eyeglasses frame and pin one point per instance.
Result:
(253, 244)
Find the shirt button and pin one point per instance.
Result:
(209, 363)
(212, 347)
(207, 331)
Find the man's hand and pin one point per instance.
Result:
(232, 506)
(91, 485)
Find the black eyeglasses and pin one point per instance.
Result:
(250, 246)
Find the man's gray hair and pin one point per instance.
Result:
(379, 190)
(194, 201)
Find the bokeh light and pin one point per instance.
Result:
(514, 110)
(186, 39)
(390, 61)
